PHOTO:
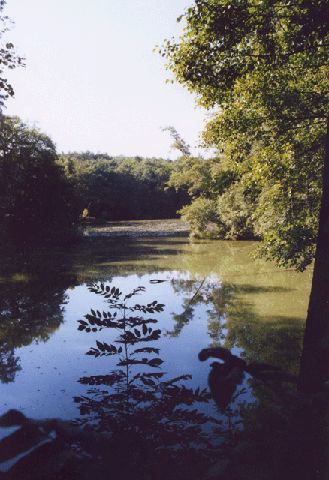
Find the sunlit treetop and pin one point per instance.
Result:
(224, 41)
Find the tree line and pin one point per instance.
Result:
(122, 188)
(45, 195)
(263, 194)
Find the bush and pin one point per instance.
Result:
(203, 218)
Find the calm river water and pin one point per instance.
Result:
(211, 294)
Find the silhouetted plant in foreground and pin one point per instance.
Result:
(155, 419)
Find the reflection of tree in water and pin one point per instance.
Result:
(32, 292)
(154, 420)
(234, 323)
(284, 434)
(207, 291)
(281, 433)
(9, 364)
(264, 338)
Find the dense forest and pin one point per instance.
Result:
(247, 191)
(121, 188)
(35, 197)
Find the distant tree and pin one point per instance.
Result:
(205, 181)
(122, 188)
(87, 155)
(200, 215)
(178, 142)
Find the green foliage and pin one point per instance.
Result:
(200, 177)
(35, 198)
(264, 69)
(202, 216)
(123, 188)
(235, 211)
(220, 207)
(289, 231)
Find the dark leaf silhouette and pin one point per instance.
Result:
(158, 412)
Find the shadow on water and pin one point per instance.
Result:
(131, 249)
(259, 289)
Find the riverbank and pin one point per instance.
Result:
(138, 228)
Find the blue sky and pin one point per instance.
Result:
(92, 80)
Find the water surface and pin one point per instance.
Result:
(213, 294)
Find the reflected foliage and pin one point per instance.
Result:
(136, 420)
(9, 363)
(32, 290)
(225, 377)
(234, 322)
(204, 291)
(274, 432)
(284, 434)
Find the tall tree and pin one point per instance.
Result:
(35, 198)
(265, 64)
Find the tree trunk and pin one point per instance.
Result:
(314, 365)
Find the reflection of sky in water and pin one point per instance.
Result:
(50, 371)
